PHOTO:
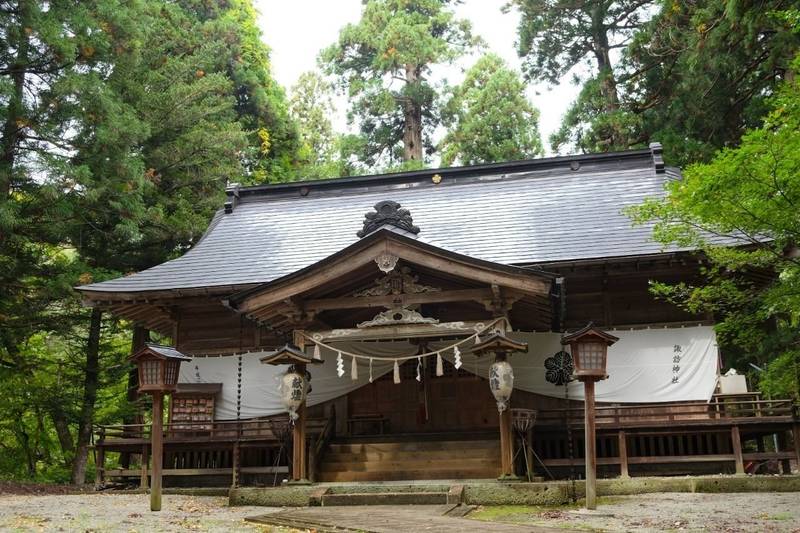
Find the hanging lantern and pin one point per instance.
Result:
(296, 383)
(294, 388)
(501, 383)
(501, 375)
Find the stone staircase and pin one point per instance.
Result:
(395, 460)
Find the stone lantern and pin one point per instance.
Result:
(589, 347)
(159, 367)
(501, 383)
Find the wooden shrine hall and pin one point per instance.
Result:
(409, 326)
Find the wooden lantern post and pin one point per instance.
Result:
(501, 383)
(295, 400)
(159, 367)
(589, 347)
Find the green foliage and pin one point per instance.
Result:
(700, 72)
(558, 37)
(121, 122)
(691, 75)
(491, 119)
(749, 195)
(383, 63)
(311, 106)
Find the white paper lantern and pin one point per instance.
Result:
(293, 391)
(501, 383)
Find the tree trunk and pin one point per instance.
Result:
(602, 53)
(15, 109)
(64, 436)
(412, 115)
(90, 382)
(140, 337)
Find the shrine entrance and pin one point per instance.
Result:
(404, 311)
(458, 401)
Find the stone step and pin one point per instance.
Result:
(451, 463)
(386, 498)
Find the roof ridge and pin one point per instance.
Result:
(516, 166)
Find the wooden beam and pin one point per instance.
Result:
(359, 302)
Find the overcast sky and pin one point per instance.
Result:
(296, 30)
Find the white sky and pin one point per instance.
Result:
(296, 31)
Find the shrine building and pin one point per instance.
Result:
(346, 330)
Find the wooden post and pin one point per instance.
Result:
(100, 464)
(145, 460)
(589, 438)
(156, 438)
(506, 445)
(736, 441)
(796, 438)
(235, 465)
(529, 454)
(623, 454)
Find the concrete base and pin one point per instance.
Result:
(501, 493)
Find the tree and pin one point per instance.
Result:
(556, 36)
(492, 120)
(699, 74)
(311, 107)
(748, 195)
(384, 62)
(261, 105)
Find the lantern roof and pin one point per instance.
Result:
(498, 342)
(289, 354)
(159, 352)
(590, 330)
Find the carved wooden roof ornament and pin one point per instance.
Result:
(388, 212)
(396, 282)
(397, 316)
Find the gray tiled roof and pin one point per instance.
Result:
(520, 214)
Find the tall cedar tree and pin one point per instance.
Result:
(556, 36)
(701, 72)
(384, 62)
(491, 118)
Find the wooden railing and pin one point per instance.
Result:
(719, 408)
(268, 429)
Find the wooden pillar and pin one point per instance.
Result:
(506, 445)
(236, 465)
(736, 442)
(796, 438)
(529, 454)
(100, 465)
(156, 438)
(589, 438)
(623, 454)
(782, 446)
(145, 461)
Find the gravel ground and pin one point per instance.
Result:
(645, 512)
(123, 513)
(773, 511)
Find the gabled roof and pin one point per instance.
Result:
(517, 213)
(400, 244)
